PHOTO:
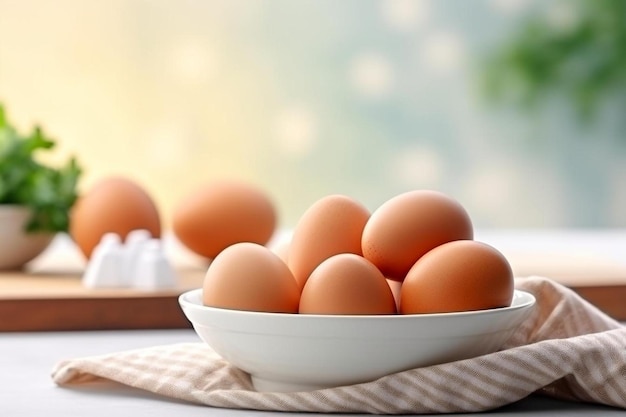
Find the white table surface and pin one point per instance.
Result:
(26, 388)
(573, 256)
(26, 359)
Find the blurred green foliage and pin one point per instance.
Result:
(50, 193)
(583, 58)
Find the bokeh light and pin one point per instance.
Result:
(367, 98)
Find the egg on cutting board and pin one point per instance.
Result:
(113, 205)
(222, 213)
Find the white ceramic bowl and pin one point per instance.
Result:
(16, 246)
(297, 352)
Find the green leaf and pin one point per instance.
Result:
(49, 192)
(585, 63)
(3, 120)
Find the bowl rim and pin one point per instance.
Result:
(524, 299)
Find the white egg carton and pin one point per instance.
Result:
(139, 262)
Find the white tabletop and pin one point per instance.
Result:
(26, 388)
(26, 359)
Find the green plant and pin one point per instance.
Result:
(584, 59)
(49, 192)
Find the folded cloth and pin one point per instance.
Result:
(567, 349)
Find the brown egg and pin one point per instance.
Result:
(282, 249)
(248, 276)
(221, 214)
(396, 288)
(407, 226)
(347, 284)
(332, 225)
(462, 275)
(113, 205)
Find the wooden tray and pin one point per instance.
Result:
(42, 302)
(609, 298)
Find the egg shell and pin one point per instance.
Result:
(396, 288)
(330, 226)
(407, 226)
(347, 284)
(113, 205)
(221, 214)
(282, 249)
(249, 276)
(462, 275)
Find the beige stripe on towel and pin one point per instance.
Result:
(567, 349)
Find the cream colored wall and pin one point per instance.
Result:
(367, 98)
(171, 118)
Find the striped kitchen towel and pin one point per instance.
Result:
(567, 349)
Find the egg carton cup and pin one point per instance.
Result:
(138, 262)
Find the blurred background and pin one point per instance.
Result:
(513, 107)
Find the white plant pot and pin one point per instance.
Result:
(16, 246)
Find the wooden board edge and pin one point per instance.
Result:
(88, 314)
